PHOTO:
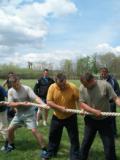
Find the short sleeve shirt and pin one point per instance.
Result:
(25, 93)
(98, 96)
(66, 98)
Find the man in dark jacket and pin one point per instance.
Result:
(7, 84)
(41, 88)
(3, 117)
(104, 74)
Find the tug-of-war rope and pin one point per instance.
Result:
(82, 112)
(113, 114)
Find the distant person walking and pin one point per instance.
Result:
(105, 75)
(40, 89)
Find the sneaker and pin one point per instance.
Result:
(44, 155)
(44, 123)
(10, 148)
(3, 148)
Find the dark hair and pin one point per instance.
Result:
(60, 77)
(86, 77)
(10, 74)
(13, 78)
(45, 70)
(104, 68)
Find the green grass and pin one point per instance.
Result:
(28, 149)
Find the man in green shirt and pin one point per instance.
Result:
(94, 98)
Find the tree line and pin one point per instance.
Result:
(72, 69)
(93, 64)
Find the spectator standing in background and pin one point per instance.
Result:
(105, 75)
(40, 89)
(7, 84)
(3, 117)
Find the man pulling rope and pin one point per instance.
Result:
(82, 112)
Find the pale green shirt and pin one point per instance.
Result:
(98, 96)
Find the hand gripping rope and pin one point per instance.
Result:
(82, 112)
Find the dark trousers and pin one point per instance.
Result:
(113, 109)
(105, 130)
(55, 134)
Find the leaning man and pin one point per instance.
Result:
(19, 97)
(62, 95)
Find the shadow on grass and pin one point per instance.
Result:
(26, 145)
(93, 155)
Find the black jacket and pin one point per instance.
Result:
(112, 80)
(3, 94)
(42, 85)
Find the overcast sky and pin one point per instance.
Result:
(51, 30)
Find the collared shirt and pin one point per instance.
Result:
(66, 98)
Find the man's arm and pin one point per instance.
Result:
(39, 100)
(117, 100)
(15, 104)
(90, 109)
(55, 106)
(4, 83)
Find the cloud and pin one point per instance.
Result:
(105, 47)
(24, 23)
(62, 7)
(54, 57)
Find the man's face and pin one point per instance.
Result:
(104, 73)
(16, 84)
(45, 73)
(61, 84)
(89, 84)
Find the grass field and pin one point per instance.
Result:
(27, 148)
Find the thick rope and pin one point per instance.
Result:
(82, 112)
